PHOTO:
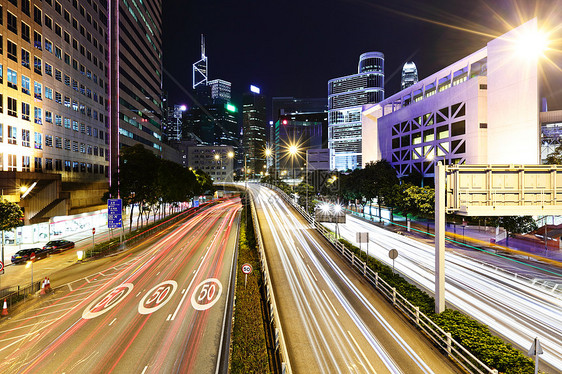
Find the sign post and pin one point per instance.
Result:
(246, 269)
(114, 215)
(93, 240)
(362, 237)
(536, 350)
(393, 253)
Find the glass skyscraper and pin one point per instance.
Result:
(346, 97)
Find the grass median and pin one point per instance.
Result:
(250, 347)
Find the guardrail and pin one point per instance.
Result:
(441, 338)
(273, 311)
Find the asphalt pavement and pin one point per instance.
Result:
(158, 307)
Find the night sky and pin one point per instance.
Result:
(292, 48)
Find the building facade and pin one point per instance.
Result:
(346, 97)
(482, 109)
(135, 76)
(217, 161)
(53, 106)
(409, 75)
(254, 131)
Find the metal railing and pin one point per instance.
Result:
(280, 344)
(16, 294)
(439, 336)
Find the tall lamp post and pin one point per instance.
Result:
(293, 150)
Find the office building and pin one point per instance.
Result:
(306, 131)
(254, 131)
(409, 75)
(53, 106)
(217, 161)
(482, 109)
(135, 76)
(220, 91)
(346, 97)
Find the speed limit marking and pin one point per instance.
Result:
(206, 294)
(107, 301)
(246, 268)
(157, 297)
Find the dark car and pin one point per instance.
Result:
(58, 245)
(23, 255)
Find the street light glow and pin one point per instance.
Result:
(531, 44)
(230, 154)
(293, 150)
(217, 156)
(268, 152)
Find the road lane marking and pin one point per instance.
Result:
(137, 295)
(326, 296)
(183, 291)
(144, 371)
(169, 316)
(361, 351)
(311, 272)
(114, 319)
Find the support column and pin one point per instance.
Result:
(440, 238)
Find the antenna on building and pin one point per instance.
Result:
(200, 67)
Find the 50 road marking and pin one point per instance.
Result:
(108, 301)
(206, 294)
(157, 297)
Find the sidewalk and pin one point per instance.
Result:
(479, 236)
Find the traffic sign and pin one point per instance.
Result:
(2, 267)
(93, 230)
(114, 211)
(246, 268)
(32, 257)
(393, 253)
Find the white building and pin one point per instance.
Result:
(483, 109)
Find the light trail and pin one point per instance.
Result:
(314, 281)
(510, 306)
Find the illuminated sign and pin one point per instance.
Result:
(255, 89)
(231, 108)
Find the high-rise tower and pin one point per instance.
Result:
(200, 68)
(135, 76)
(409, 75)
(254, 127)
(346, 96)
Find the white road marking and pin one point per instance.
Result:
(169, 316)
(326, 296)
(183, 291)
(137, 295)
(114, 319)
(362, 353)
(144, 371)
(312, 272)
(158, 273)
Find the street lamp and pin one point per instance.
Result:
(293, 150)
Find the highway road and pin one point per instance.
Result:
(332, 320)
(517, 308)
(159, 309)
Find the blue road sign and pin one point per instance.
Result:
(195, 203)
(114, 209)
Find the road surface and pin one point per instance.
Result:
(160, 310)
(333, 321)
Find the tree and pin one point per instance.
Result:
(301, 191)
(555, 158)
(11, 217)
(515, 224)
(415, 201)
(376, 181)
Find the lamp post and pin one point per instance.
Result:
(230, 156)
(293, 150)
(306, 181)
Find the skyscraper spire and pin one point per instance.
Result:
(200, 73)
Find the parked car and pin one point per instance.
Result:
(23, 255)
(55, 246)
